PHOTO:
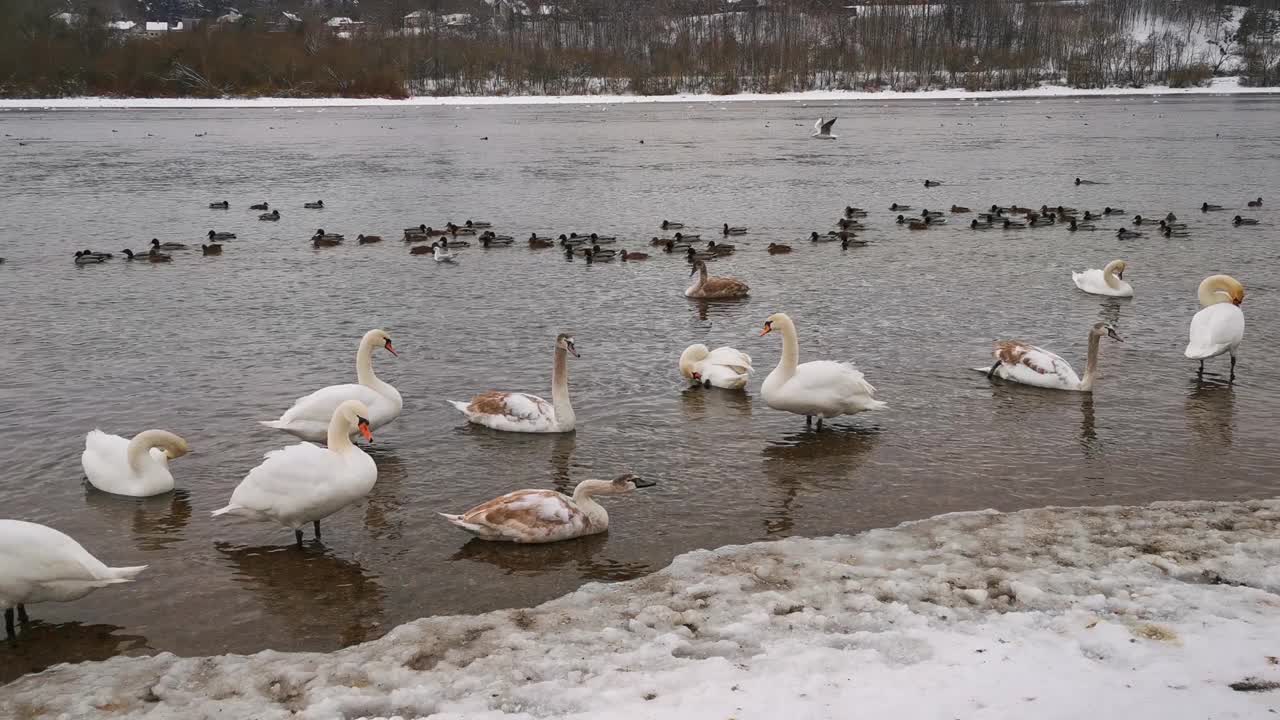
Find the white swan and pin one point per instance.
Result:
(309, 417)
(822, 129)
(1030, 365)
(723, 367)
(1107, 281)
(306, 483)
(541, 516)
(1219, 327)
(521, 412)
(137, 467)
(822, 387)
(39, 564)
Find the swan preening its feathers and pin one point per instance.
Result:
(541, 516)
(39, 564)
(1030, 365)
(1107, 281)
(1218, 328)
(823, 388)
(309, 417)
(137, 467)
(305, 483)
(723, 367)
(521, 412)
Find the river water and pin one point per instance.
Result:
(207, 346)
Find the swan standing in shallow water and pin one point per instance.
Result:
(306, 483)
(542, 516)
(521, 412)
(821, 387)
(1030, 365)
(712, 287)
(723, 367)
(39, 564)
(309, 417)
(137, 467)
(1107, 281)
(1219, 327)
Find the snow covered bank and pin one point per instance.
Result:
(1220, 86)
(1146, 612)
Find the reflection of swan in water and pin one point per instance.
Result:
(45, 644)
(583, 554)
(1110, 311)
(314, 594)
(156, 522)
(1210, 409)
(807, 460)
(699, 404)
(383, 501)
(1088, 432)
(711, 309)
(562, 447)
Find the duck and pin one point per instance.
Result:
(422, 250)
(456, 230)
(368, 239)
(694, 255)
(535, 236)
(453, 243)
(1107, 281)
(671, 246)
(1092, 216)
(669, 225)
(1041, 221)
(573, 241)
(927, 213)
(154, 255)
(599, 253)
(157, 245)
(850, 225)
(308, 417)
(214, 249)
(1218, 328)
(1085, 182)
(1238, 221)
(440, 252)
(422, 232)
(1167, 224)
(1255, 203)
(320, 241)
(1169, 232)
(1139, 220)
(1171, 218)
(478, 224)
(821, 388)
(1127, 234)
(734, 230)
(306, 483)
(538, 243)
(270, 217)
(724, 367)
(633, 256)
(212, 235)
(900, 208)
(224, 205)
(543, 516)
(317, 205)
(1074, 226)
(1206, 207)
(778, 249)
(932, 183)
(40, 564)
(917, 225)
(521, 412)
(721, 248)
(850, 211)
(902, 220)
(958, 209)
(684, 237)
(1113, 211)
(714, 287)
(496, 241)
(826, 237)
(259, 206)
(137, 467)
(1030, 365)
(84, 257)
(602, 239)
(845, 243)
(935, 220)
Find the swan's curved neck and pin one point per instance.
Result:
(1109, 276)
(1091, 365)
(582, 497)
(702, 275)
(1211, 293)
(560, 388)
(364, 368)
(140, 447)
(339, 439)
(790, 348)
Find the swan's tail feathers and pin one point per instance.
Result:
(225, 510)
(462, 407)
(876, 404)
(274, 424)
(469, 527)
(1204, 352)
(122, 574)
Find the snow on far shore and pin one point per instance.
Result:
(1219, 86)
(1167, 611)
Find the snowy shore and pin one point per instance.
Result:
(1219, 86)
(1165, 611)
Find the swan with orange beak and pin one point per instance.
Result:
(306, 483)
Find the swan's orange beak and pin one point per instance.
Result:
(391, 349)
(697, 376)
(364, 430)
(768, 328)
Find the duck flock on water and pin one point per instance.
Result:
(303, 483)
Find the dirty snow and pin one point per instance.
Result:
(1120, 612)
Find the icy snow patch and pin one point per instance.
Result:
(1118, 612)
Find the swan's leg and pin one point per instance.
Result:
(819, 422)
(297, 534)
(8, 623)
(1233, 366)
(22, 614)
(991, 373)
(1201, 370)
(808, 421)
(706, 384)
(316, 525)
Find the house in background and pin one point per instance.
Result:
(284, 22)
(157, 28)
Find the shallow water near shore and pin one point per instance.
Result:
(205, 347)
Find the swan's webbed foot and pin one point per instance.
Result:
(316, 525)
(22, 614)
(8, 623)
(297, 535)
(992, 372)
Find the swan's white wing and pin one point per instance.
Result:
(824, 387)
(1215, 330)
(319, 405)
(105, 461)
(729, 357)
(518, 412)
(304, 482)
(1031, 365)
(31, 553)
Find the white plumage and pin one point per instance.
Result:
(1107, 281)
(137, 467)
(521, 412)
(1218, 328)
(821, 388)
(724, 367)
(40, 564)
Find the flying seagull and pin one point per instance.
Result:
(822, 129)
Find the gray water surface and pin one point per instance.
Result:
(206, 347)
